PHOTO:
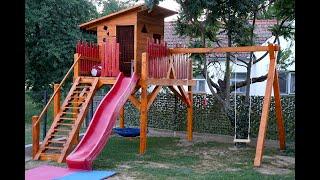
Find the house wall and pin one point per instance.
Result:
(129, 18)
(154, 25)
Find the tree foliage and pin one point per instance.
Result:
(51, 33)
(111, 6)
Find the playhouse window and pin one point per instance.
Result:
(157, 38)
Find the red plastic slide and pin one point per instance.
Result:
(101, 125)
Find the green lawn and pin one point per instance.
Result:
(167, 159)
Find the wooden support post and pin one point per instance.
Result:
(144, 104)
(121, 117)
(56, 101)
(190, 108)
(76, 69)
(265, 108)
(35, 135)
(190, 114)
(278, 108)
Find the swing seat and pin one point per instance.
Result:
(127, 132)
(241, 140)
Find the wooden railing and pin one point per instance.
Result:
(89, 57)
(160, 60)
(110, 59)
(36, 119)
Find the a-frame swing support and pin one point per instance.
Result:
(272, 82)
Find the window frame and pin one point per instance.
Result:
(197, 90)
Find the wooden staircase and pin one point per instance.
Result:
(63, 132)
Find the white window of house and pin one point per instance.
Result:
(292, 83)
(283, 82)
(239, 76)
(200, 86)
(287, 82)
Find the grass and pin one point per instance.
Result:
(166, 159)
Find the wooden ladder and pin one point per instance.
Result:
(59, 140)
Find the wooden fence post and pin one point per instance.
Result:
(76, 68)
(35, 135)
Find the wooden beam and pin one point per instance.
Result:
(171, 82)
(135, 102)
(185, 96)
(136, 89)
(144, 104)
(121, 117)
(153, 95)
(176, 92)
(35, 136)
(265, 108)
(106, 81)
(278, 108)
(56, 100)
(190, 109)
(222, 49)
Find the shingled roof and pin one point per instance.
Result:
(261, 30)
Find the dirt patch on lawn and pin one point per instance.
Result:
(33, 164)
(277, 165)
(183, 142)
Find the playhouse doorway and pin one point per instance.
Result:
(125, 38)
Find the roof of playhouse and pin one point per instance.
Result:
(157, 11)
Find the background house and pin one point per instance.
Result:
(263, 37)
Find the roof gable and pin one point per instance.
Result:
(157, 10)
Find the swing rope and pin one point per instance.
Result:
(235, 109)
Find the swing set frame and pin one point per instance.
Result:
(272, 83)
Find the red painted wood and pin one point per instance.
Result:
(87, 50)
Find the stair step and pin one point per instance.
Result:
(55, 141)
(62, 130)
(58, 135)
(79, 92)
(69, 113)
(78, 97)
(66, 118)
(65, 124)
(76, 102)
(72, 107)
(83, 86)
(49, 156)
(50, 147)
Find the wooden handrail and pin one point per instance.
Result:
(222, 49)
(55, 92)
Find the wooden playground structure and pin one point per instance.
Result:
(130, 41)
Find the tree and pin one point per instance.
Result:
(111, 6)
(204, 20)
(51, 33)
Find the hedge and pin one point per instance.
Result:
(169, 112)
